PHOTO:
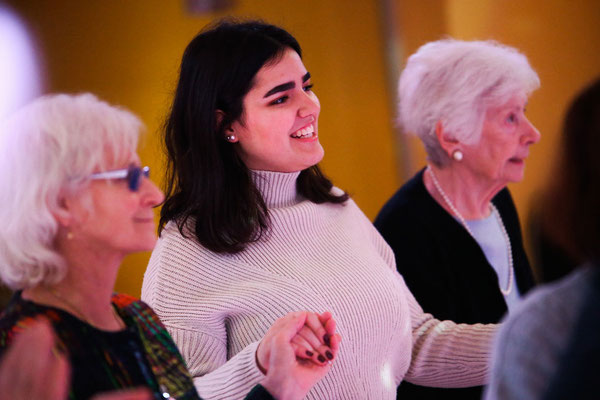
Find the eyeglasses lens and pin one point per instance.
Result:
(134, 177)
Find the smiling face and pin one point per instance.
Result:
(279, 126)
(499, 156)
(110, 218)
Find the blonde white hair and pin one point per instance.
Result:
(51, 145)
(454, 82)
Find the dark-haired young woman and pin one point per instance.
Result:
(251, 230)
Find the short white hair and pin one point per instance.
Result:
(455, 82)
(51, 145)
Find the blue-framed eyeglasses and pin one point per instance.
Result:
(133, 175)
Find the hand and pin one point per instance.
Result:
(32, 369)
(313, 341)
(288, 376)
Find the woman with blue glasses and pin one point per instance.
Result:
(75, 201)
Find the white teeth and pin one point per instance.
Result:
(304, 132)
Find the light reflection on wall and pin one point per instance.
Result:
(19, 73)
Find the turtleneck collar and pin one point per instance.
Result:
(277, 188)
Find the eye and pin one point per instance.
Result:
(512, 118)
(279, 100)
(308, 88)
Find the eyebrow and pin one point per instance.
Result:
(286, 86)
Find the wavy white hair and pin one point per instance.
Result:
(52, 144)
(455, 82)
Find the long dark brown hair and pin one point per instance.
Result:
(206, 179)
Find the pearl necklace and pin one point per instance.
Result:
(494, 210)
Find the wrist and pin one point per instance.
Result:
(278, 388)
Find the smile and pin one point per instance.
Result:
(306, 132)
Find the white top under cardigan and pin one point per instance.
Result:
(316, 257)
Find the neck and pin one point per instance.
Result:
(86, 289)
(470, 195)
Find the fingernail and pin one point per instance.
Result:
(326, 339)
(329, 355)
(321, 358)
(309, 353)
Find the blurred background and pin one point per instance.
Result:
(128, 53)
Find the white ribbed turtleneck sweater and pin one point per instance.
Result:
(316, 257)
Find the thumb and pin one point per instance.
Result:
(291, 324)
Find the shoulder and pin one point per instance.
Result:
(122, 300)
(176, 252)
(406, 206)
(139, 311)
(532, 338)
(505, 204)
(546, 312)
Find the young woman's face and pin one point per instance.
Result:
(278, 128)
(112, 218)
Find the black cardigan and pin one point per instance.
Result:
(445, 268)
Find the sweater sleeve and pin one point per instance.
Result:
(215, 377)
(196, 326)
(446, 354)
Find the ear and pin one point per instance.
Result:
(230, 135)
(62, 211)
(447, 142)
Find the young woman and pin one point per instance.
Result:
(251, 229)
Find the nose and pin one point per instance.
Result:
(151, 194)
(309, 105)
(531, 134)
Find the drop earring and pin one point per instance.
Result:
(457, 155)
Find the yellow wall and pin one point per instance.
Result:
(128, 52)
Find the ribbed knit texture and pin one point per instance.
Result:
(316, 257)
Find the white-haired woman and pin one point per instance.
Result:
(75, 201)
(453, 227)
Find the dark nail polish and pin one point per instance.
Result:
(321, 358)
(329, 355)
(326, 339)
(309, 353)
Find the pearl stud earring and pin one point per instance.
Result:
(457, 155)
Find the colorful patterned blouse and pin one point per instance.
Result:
(143, 354)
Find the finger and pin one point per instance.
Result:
(302, 353)
(313, 322)
(291, 324)
(305, 352)
(330, 327)
(324, 317)
(302, 344)
(335, 344)
(323, 352)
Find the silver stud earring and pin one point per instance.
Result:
(457, 155)
(230, 138)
